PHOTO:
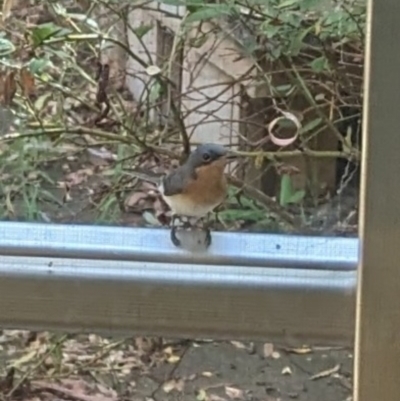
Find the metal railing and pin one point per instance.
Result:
(122, 280)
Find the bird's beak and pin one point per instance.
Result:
(231, 155)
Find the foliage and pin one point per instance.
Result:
(64, 103)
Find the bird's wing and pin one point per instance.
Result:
(175, 183)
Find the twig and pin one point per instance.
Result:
(353, 155)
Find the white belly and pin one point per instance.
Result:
(181, 206)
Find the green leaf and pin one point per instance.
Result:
(38, 65)
(310, 4)
(141, 30)
(275, 53)
(173, 2)
(319, 64)
(237, 214)
(6, 47)
(46, 31)
(297, 197)
(286, 190)
(297, 42)
(311, 125)
(194, 5)
(270, 30)
(155, 92)
(287, 194)
(284, 89)
(209, 12)
(288, 3)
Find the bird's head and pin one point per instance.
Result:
(210, 154)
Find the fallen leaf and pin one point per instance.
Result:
(7, 7)
(215, 397)
(168, 351)
(173, 359)
(180, 384)
(300, 351)
(79, 176)
(24, 359)
(238, 344)
(75, 389)
(234, 393)
(27, 82)
(150, 218)
(268, 350)
(149, 186)
(94, 338)
(287, 370)
(133, 199)
(207, 374)
(276, 355)
(326, 373)
(201, 395)
(102, 153)
(172, 385)
(9, 88)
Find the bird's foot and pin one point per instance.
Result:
(191, 239)
(208, 239)
(174, 238)
(190, 225)
(178, 223)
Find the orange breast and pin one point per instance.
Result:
(203, 194)
(209, 188)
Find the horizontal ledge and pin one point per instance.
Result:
(153, 245)
(292, 306)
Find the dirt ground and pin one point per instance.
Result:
(217, 371)
(45, 366)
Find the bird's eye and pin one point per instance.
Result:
(206, 157)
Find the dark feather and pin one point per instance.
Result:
(176, 181)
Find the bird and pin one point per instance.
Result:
(197, 187)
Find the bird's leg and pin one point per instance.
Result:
(208, 237)
(207, 230)
(175, 223)
(179, 222)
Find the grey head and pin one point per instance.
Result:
(203, 155)
(206, 153)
